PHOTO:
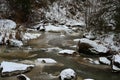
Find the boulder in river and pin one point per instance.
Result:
(68, 74)
(89, 46)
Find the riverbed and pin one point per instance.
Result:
(38, 48)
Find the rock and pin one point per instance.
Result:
(68, 74)
(22, 77)
(90, 46)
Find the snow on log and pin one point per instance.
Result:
(67, 74)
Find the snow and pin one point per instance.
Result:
(109, 41)
(116, 58)
(58, 28)
(76, 40)
(88, 79)
(115, 68)
(28, 36)
(67, 74)
(12, 66)
(16, 43)
(46, 60)
(96, 62)
(66, 51)
(7, 24)
(97, 47)
(104, 60)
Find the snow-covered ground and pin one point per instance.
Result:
(12, 66)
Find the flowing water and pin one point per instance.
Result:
(49, 40)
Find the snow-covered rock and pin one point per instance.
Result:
(23, 77)
(68, 74)
(46, 60)
(92, 46)
(104, 60)
(7, 24)
(29, 36)
(58, 28)
(16, 43)
(66, 51)
(11, 67)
